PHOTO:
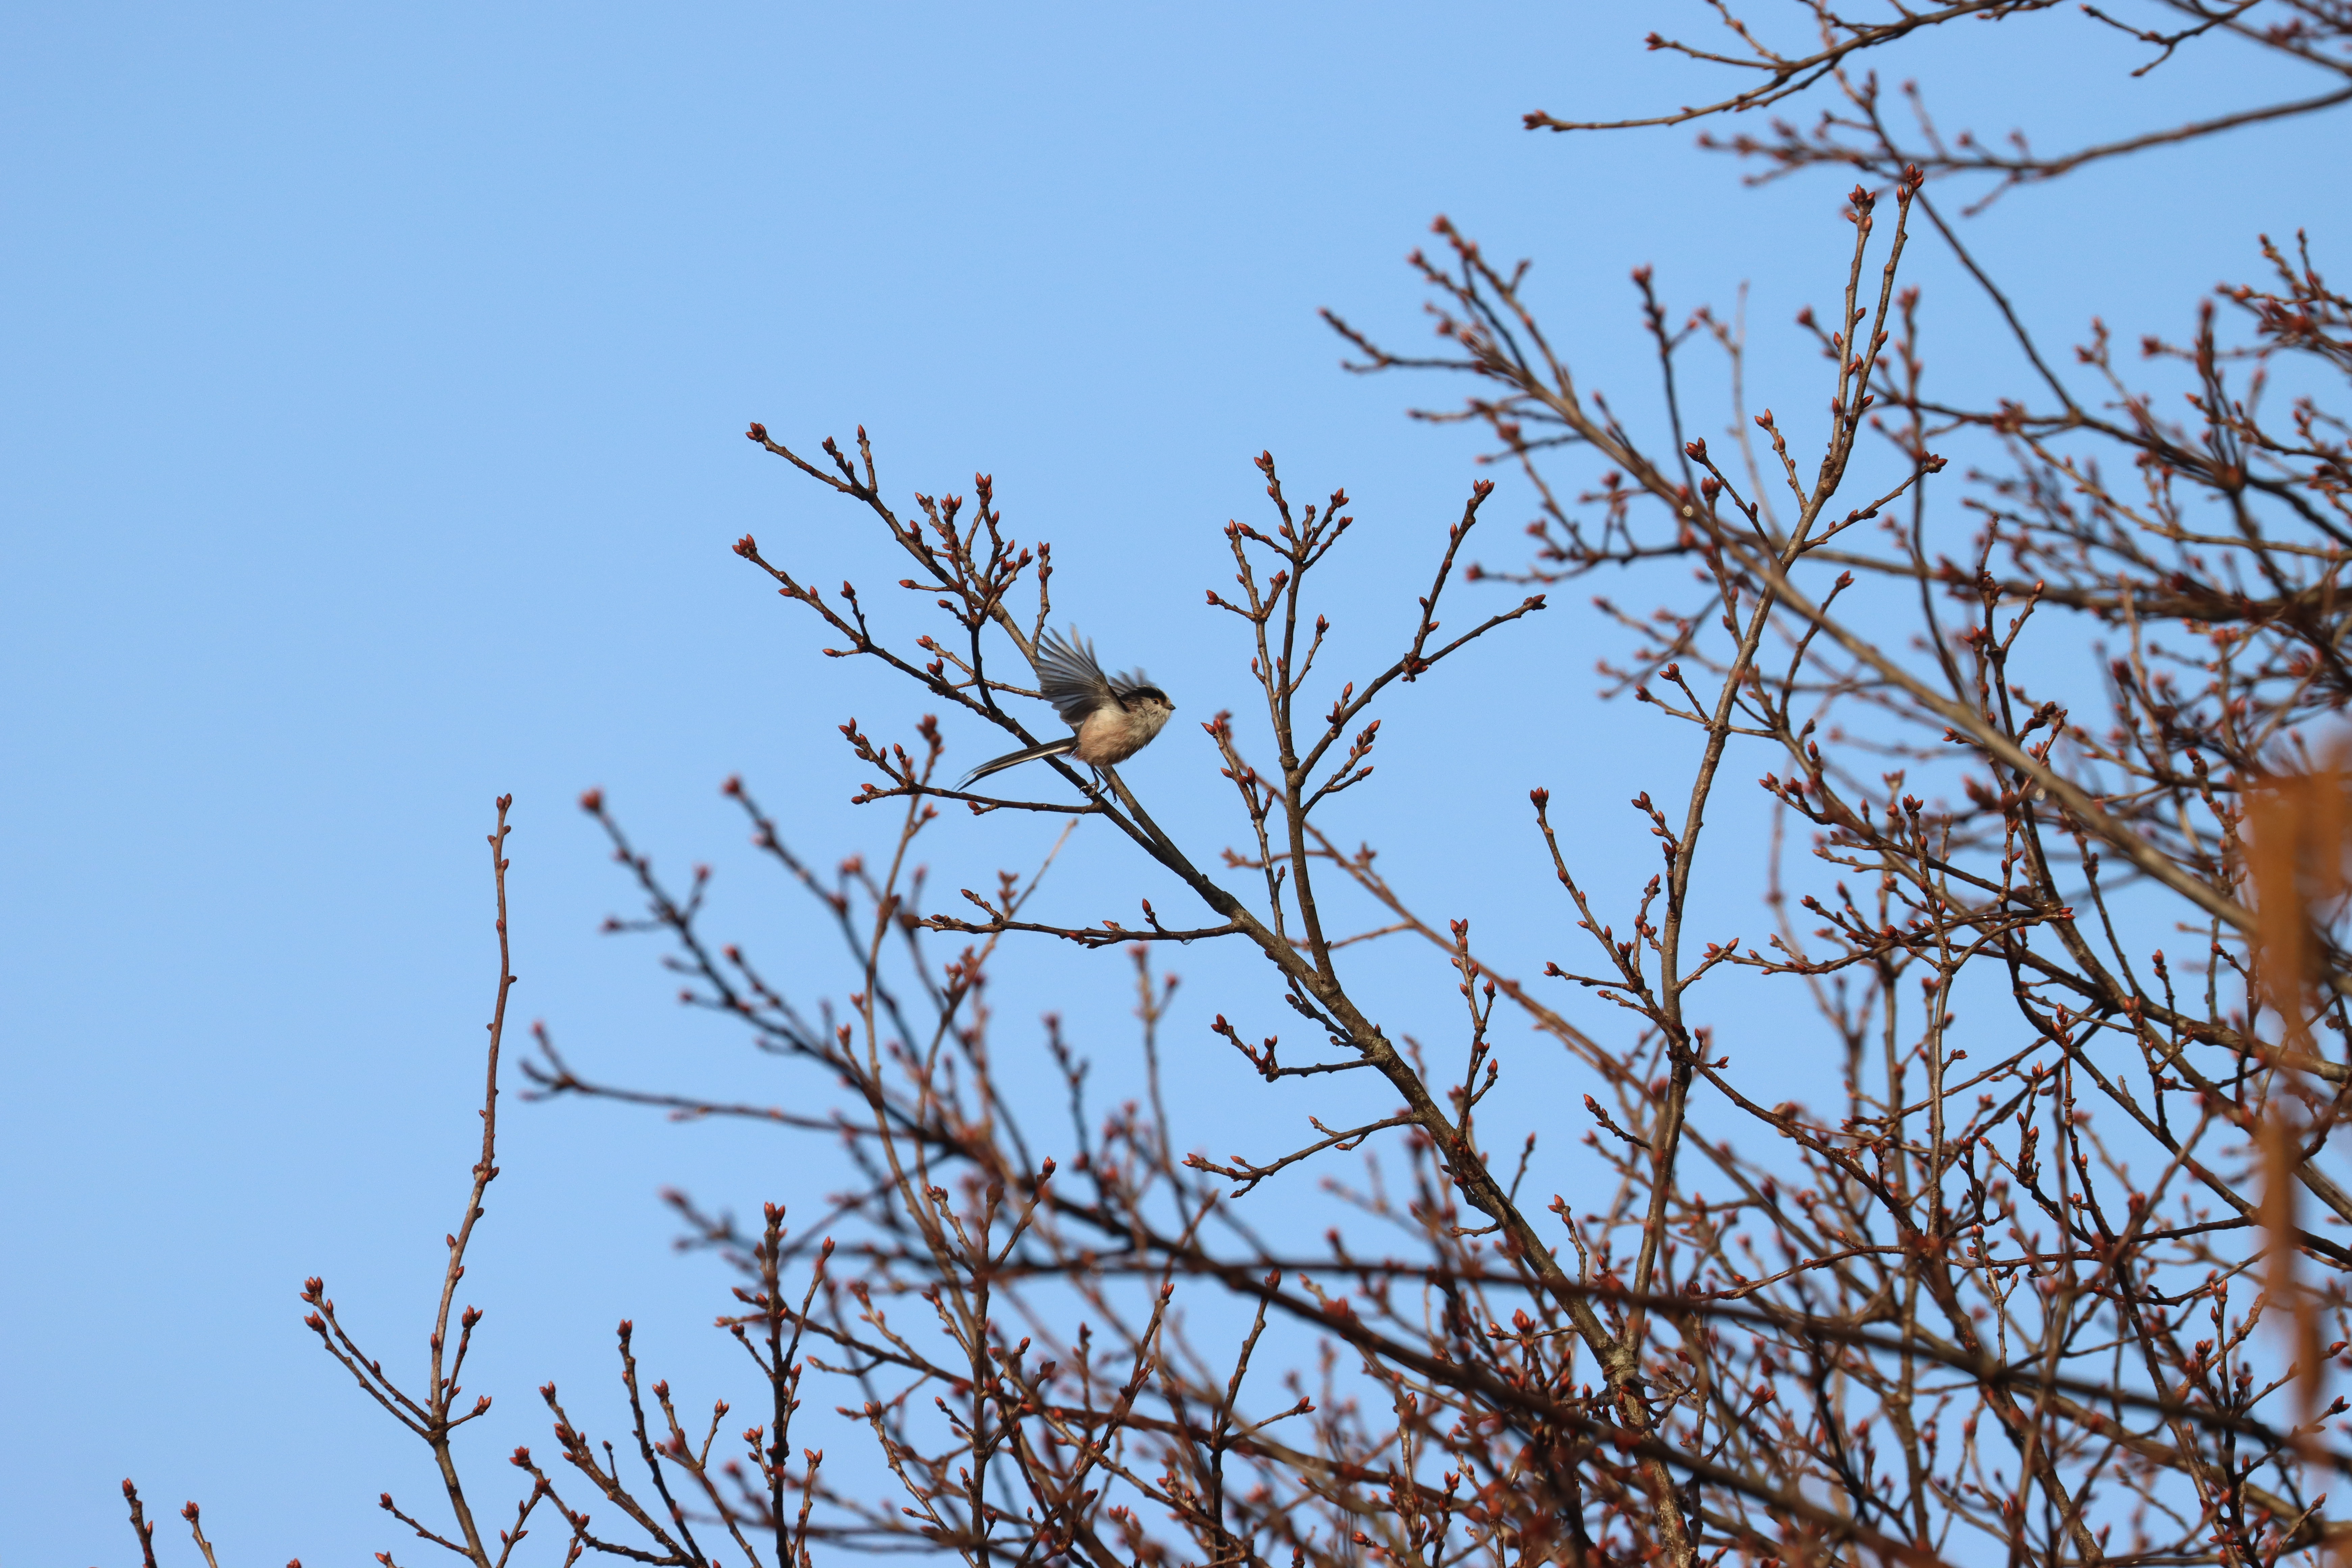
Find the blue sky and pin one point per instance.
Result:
(372, 446)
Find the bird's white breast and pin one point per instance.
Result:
(1112, 734)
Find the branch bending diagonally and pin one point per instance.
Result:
(970, 572)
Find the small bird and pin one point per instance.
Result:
(1115, 716)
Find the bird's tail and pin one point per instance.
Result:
(1061, 747)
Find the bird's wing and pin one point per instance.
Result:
(1069, 677)
(1127, 683)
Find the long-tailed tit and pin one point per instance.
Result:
(1114, 716)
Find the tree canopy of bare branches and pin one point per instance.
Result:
(2044, 696)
